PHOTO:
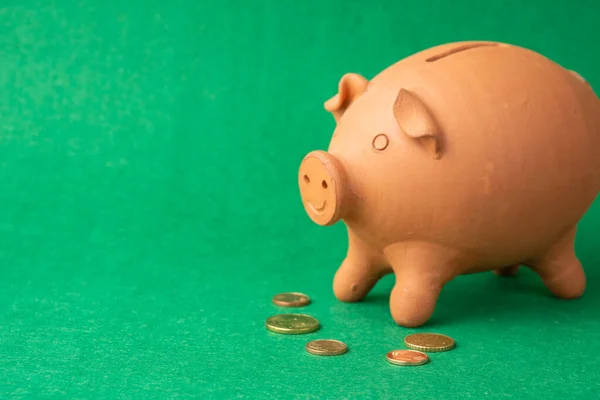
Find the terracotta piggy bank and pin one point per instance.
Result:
(463, 158)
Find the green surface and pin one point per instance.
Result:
(149, 208)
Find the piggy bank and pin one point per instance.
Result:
(463, 158)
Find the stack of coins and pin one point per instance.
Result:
(297, 324)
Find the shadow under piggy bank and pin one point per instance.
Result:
(487, 297)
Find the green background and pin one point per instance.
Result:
(149, 208)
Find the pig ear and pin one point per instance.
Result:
(415, 121)
(350, 87)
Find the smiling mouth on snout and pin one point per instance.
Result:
(317, 210)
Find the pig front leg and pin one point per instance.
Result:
(359, 272)
(560, 269)
(421, 270)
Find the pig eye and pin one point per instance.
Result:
(380, 142)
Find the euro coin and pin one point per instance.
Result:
(407, 357)
(326, 347)
(292, 324)
(292, 299)
(431, 342)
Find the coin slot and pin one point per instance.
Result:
(458, 49)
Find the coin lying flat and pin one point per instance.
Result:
(326, 347)
(292, 299)
(432, 342)
(407, 357)
(292, 324)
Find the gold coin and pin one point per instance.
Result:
(292, 324)
(432, 342)
(407, 357)
(326, 347)
(292, 299)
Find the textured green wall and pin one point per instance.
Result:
(149, 208)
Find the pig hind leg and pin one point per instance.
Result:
(560, 269)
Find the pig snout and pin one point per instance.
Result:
(322, 185)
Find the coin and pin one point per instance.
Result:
(292, 299)
(292, 324)
(432, 342)
(326, 347)
(407, 357)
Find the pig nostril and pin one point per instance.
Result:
(306, 179)
(324, 184)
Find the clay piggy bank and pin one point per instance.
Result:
(463, 158)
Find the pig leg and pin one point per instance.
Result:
(510, 270)
(359, 272)
(560, 269)
(421, 271)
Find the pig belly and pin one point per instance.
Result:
(501, 238)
